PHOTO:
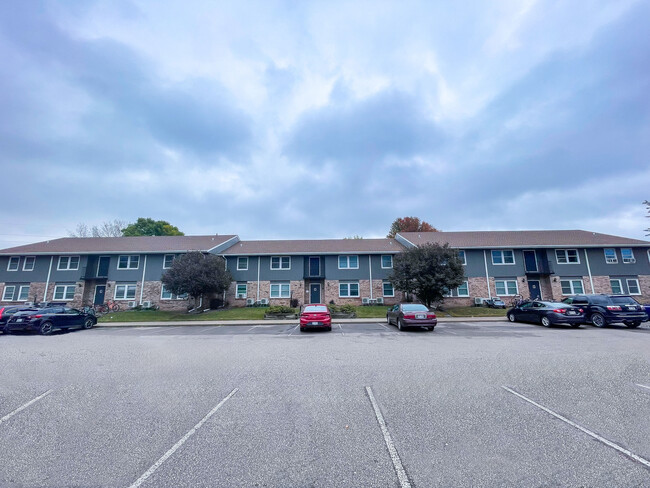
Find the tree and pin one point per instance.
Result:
(105, 229)
(647, 206)
(354, 237)
(197, 274)
(151, 227)
(428, 271)
(410, 224)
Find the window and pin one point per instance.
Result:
(128, 262)
(281, 262)
(13, 263)
(462, 291)
(125, 291)
(28, 263)
(617, 288)
(503, 257)
(64, 292)
(386, 261)
(168, 260)
(350, 262)
(461, 256)
(572, 287)
(68, 263)
(506, 287)
(628, 256)
(389, 291)
(280, 290)
(167, 295)
(242, 289)
(8, 294)
(349, 289)
(242, 264)
(567, 256)
(23, 293)
(610, 256)
(633, 287)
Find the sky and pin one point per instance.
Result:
(324, 119)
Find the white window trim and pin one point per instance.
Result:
(631, 260)
(128, 263)
(279, 285)
(246, 268)
(280, 263)
(173, 297)
(349, 295)
(467, 283)
(164, 260)
(237, 293)
(17, 264)
(571, 281)
(58, 264)
(566, 256)
(382, 262)
(620, 285)
(25, 263)
(347, 259)
(638, 287)
(65, 292)
(126, 289)
(514, 260)
(383, 290)
(4, 293)
(464, 261)
(506, 294)
(20, 292)
(607, 261)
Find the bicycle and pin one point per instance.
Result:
(517, 300)
(109, 306)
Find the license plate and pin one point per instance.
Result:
(420, 316)
(19, 320)
(571, 312)
(314, 323)
(631, 308)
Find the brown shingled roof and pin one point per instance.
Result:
(521, 238)
(324, 246)
(108, 245)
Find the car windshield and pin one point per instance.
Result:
(315, 308)
(413, 307)
(624, 301)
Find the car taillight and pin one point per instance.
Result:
(560, 310)
(36, 316)
(409, 316)
(1, 310)
(431, 315)
(581, 311)
(614, 307)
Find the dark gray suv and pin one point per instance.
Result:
(602, 310)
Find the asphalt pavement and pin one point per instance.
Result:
(470, 404)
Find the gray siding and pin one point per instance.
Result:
(247, 275)
(334, 273)
(475, 265)
(505, 270)
(600, 268)
(41, 266)
(295, 273)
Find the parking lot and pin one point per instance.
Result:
(470, 404)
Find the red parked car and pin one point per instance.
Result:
(406, 315)
(315, 316)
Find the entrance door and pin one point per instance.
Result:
(314, 293)
(102, 266)
(314, 267)
(533, 288)
(100, 291)
(530, 261)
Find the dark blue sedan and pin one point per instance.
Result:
(547, 313)
(46, 320)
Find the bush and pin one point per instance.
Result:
(294, 303)
(342, 308)
(278, 309)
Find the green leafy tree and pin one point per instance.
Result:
(410, 224)
(151, 227)
(427, 271)
(197, 274)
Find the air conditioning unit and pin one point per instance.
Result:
(365, 300)
(380, 301)
(146, 304)
(264, 301)
(478, 300)
(250, 302)
(241, 295)
(29, 304)
(133, 304)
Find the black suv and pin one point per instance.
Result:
(602, 310)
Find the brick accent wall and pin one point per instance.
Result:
(36, 290)
(644, 284)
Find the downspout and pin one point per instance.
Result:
(47, 282)
(144, 269)
(259, 259)
(487, 276)
(591, 279)
(370, 270)
(224, 292)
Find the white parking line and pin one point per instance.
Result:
(165, 328)
(643, 386)
(342, 333)
(9, 415)
(384, 326)
(175, 447)
(397, 462)
(611, 444)
(294, 329)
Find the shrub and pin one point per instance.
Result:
(277, 309)
(294, 303)
(342, 308)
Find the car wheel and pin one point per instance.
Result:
(329, 329)
(511, 317)
(6, 330)
(388, 320)
(546, 322)
(633, 325)
(400, 324)
(46, 328)
(430, 329)
(575, 326)
(598, 320)
(88, 323)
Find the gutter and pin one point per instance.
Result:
(370, 271)
(259, 260)
(487, 276)
(47, 282)
(144, 269)
(591, 279)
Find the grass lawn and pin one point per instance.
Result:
(473, 312)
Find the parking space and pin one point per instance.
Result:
(491, 404)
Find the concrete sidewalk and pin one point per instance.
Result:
(280, 322)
